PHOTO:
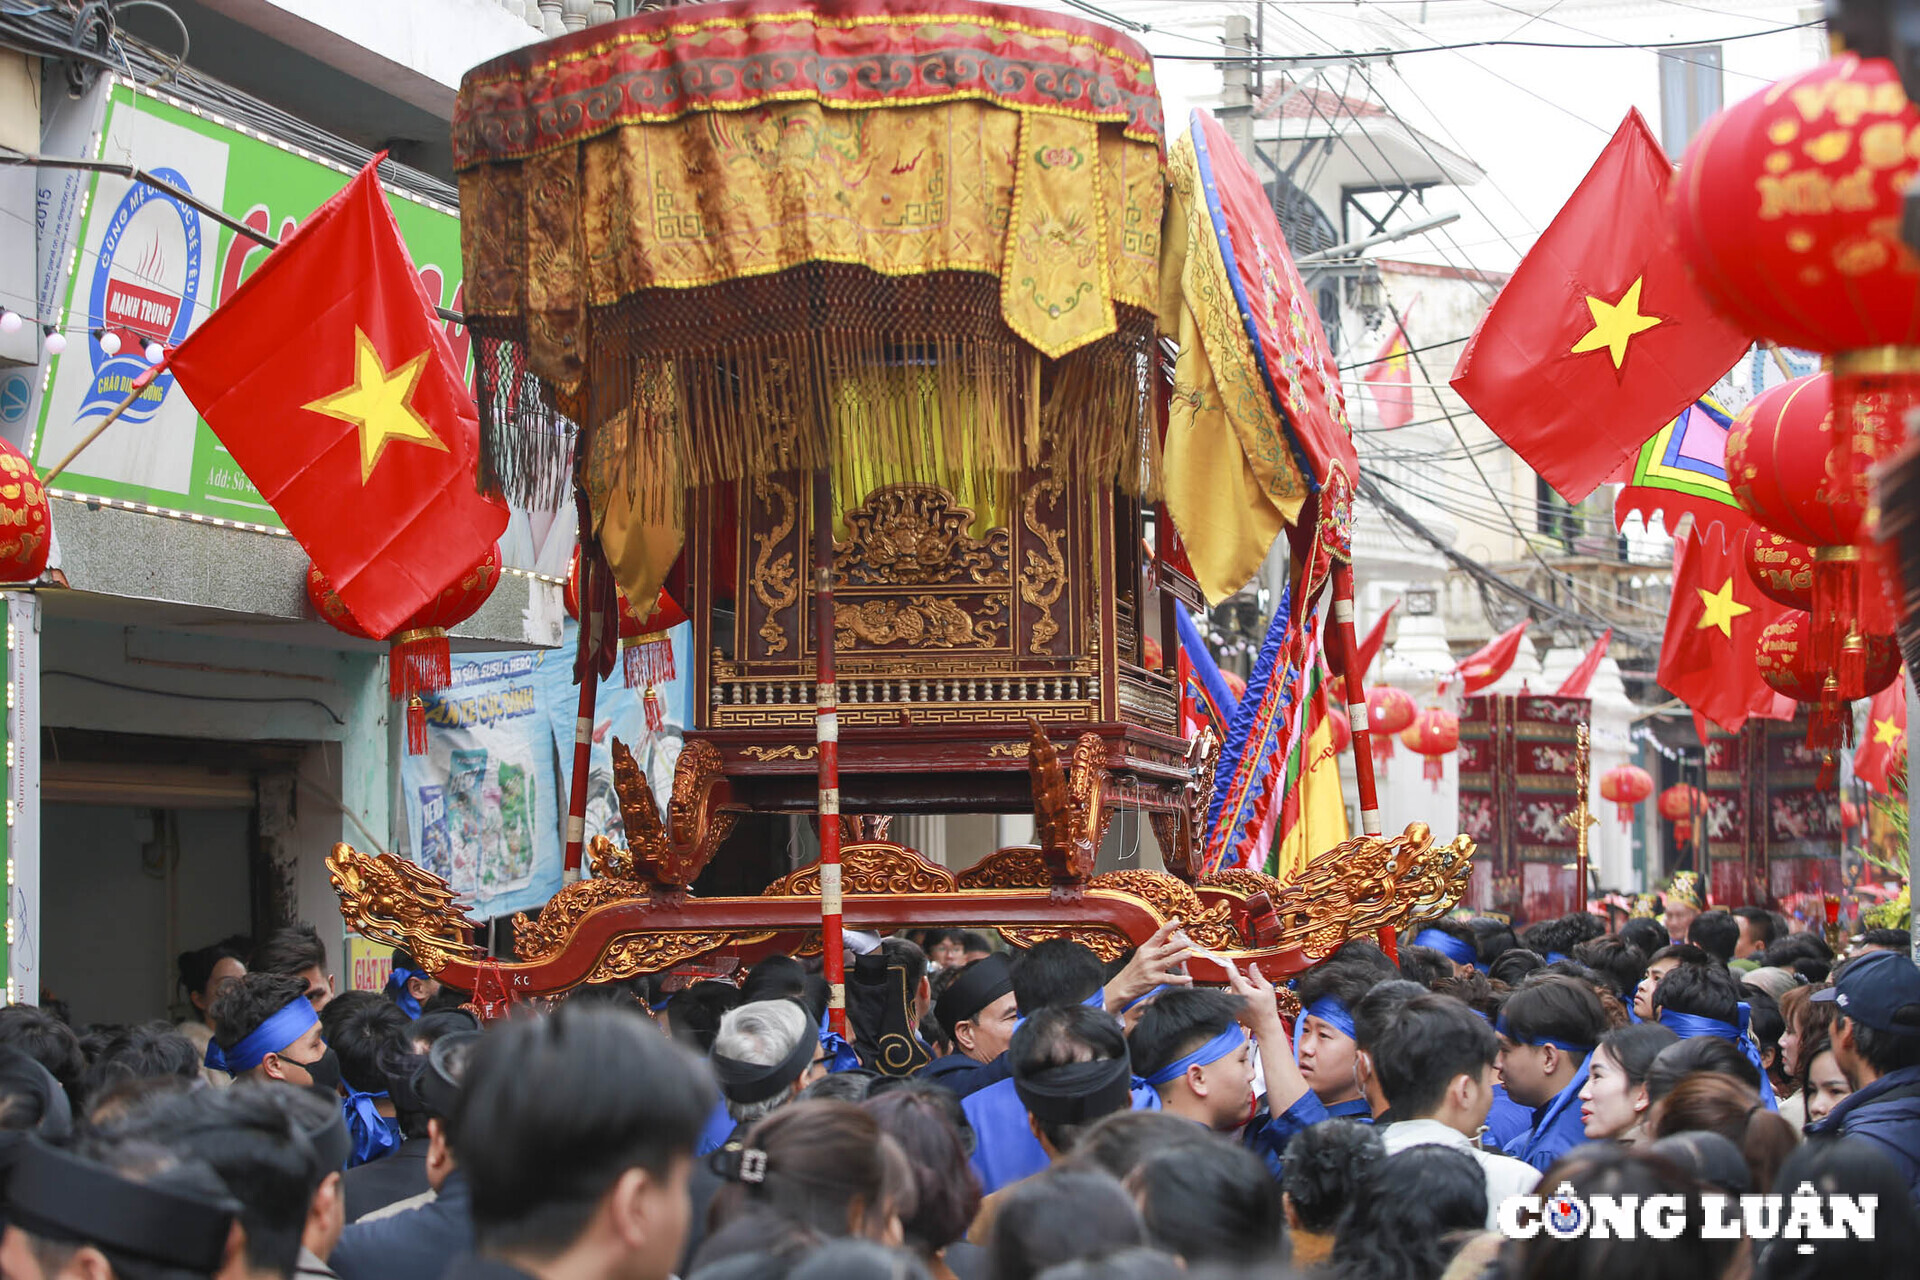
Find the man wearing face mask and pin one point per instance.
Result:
(265, 1029)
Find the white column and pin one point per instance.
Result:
(23, 797)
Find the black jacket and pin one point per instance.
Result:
(415, 1245)
(400, 1175)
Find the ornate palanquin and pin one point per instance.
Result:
(635, 916)
(952, 627)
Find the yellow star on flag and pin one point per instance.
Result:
(1886, 733)
(380, 403)
(1615, 324)
(1721, 608)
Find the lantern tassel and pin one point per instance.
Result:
(655, 720)
(1625, 812)
(647, 660)
(419, 661)
(1836, 588)
(416, 725)
(1433, 771)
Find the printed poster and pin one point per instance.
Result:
(483, 803)
(619, 712)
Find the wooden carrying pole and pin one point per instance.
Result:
(589, 675)
(826, 737)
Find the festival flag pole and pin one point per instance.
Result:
(588, 672)
(134, 392)
(826, 737)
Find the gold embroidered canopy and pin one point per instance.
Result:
(731, 239)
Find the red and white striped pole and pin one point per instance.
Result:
(1349, 653)
(826, 737)
(582, 763)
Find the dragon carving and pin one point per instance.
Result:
(1069, 821)
(388, 899)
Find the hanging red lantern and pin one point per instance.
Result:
(1389, 710)
(419, 660)
(1786, 471)
(1433, 733)
(1679, 803)
(1235, 685)
(1626, 785)
(646, 644)
(1788, 663)
(1341, 728)
(1780, 567)
(1849, 815)
(1683, 830)
(26, 524)
(1788, 209)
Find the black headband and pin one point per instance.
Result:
(61, 1197)
(748, 1082)
(1078, 1091)
(973, 989)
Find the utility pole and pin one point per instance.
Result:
(1236, 84)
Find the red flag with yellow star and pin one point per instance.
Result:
(1886, 741)
(329, 380)
(1714, 623)
(1600, 338)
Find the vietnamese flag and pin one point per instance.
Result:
(1575, 685)
(1714, 621)
(1600, 338)
(1389, 376)
(1886, 743)
(330, 380)
(1485, 665)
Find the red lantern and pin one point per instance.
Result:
(1789, 208)
(1389, 710)
(1433, 733)
(1679, 803)
(646, 647)
(1780, 567)
(1341, 728)
(26, 524)
(1626, 785)
(1235, 685)
(418, 658)
(1788, 664)
(1683, 830)
(1152, 656)
(1785, 469)
(1849, 814)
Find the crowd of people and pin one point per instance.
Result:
(998, 1115)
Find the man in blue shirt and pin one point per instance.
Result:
(1876, 1043)
(977, 1012)
(1318, 1076)
(1547, 1033)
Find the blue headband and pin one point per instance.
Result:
(1330, 1011)
(1564, 1046)
(397, 989)
(271, 1036)
(1455, 949)
(1137, 1001)
(1689, 1025)
(373, 1134)
(1555, 957)
(1228, 1041)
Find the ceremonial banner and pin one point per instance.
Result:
(1313, 811)
(1682, 471)
(1600, 336)
(482, 803)
(1204, 696)
(1772, 831)
(1517, 787)
(333, 387)
(618, 712)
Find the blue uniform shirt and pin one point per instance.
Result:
(1005, 1149)
(1557, 1127)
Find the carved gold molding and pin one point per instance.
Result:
(775, 582)
(873, 867)
(1045, 575)
(787, 752)
(915, 535)
(936, 622)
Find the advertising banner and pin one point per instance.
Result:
(483, 804)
